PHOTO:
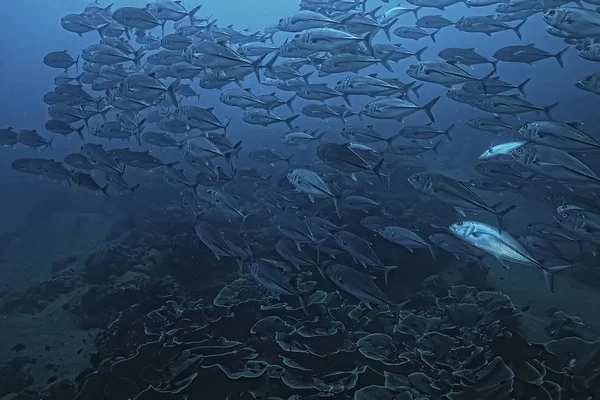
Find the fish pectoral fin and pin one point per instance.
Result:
(460, 211)
(504, 264)
(367, 304)
(311, 198)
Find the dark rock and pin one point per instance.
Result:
(62, 264)
(14, 375)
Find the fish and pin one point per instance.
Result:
(60, 59)
(559, 135)
(503, 149)
(271, 278)
(503, 246)
(554, 163)
(359, 285)
(455, 193)
(213, 239)
(394, 108)
(404, 237)
(442, 72)
(361, 252)
(527, 54)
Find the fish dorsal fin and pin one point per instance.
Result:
(210, 109)
(248, 90)
(370, 126)
(574, 124)
(375, 75)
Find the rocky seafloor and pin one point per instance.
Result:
(164, 320)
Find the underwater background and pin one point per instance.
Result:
(121, 293)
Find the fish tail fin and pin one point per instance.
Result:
(373, 12)
(244, 218)
(386, 272)
(494, 64)
(432, 253)
(485, 78)
(303, 304)
(78, 78)
(549, 108)
(390, 140)
(521, 87)
(105, 189)
(289, 121)
(134, 188)
(419, 53)
(346, 19)
(289, 102)
(307, 75)
(171, 91)
(416, 11)
(346, 98)
(269, 65)
(517, 28)
(500, 213)
(559, 55)
(368, 41)
(101, 30)
(435, 148)
(415, 90)
(549, 275)
(386, 29)
(137, 57)
(193, 12)
(385, 61)
(432, 35)
(171, 165)
(227, 126)
(336, 204)
(447, 133)
(257, 65)
(104, 112)
(427, 108)
(77, 64)
(288, 159)
(139, 130)
(80, 132)
(399, 307)
(377, 168)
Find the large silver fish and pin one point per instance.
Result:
(503, 247)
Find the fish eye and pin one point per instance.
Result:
(550, 196)
(565, 215)
(416, 178)
(520, 150)
(552, 12)
(588, 78)
(459, 224)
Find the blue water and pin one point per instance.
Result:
(44, 214)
